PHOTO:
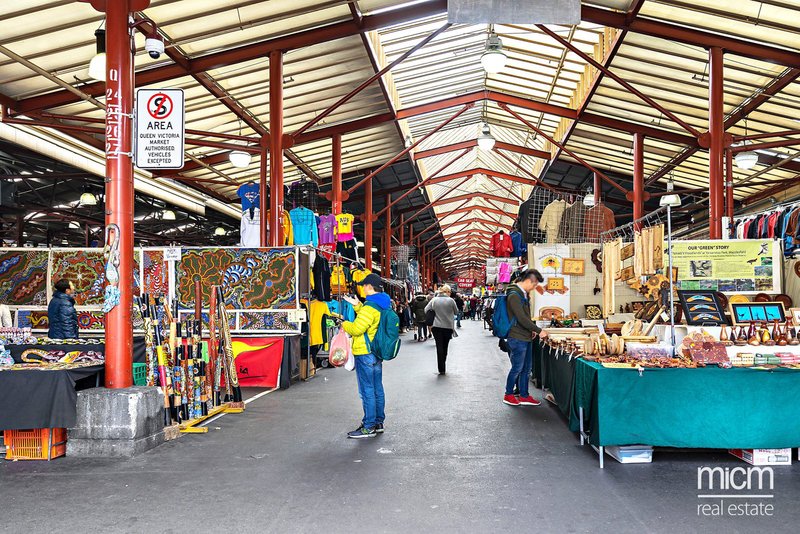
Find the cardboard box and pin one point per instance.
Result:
(764, 456)
(631, 454)
(307, 369)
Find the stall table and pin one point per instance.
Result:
(707, 407)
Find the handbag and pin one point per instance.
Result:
(350, 364)
(430, 316)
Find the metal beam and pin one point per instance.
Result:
(474, 143)
(247, 52)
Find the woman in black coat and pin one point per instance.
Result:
(61, 312)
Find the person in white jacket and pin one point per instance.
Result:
(6, 320)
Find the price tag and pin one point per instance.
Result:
(172, 254)
(297, 316)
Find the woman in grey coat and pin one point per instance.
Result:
(444, 323)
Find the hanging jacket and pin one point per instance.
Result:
(504, 273)
(501, 245)
(520, 247)
(62, 317)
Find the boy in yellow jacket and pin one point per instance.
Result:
(369, 368)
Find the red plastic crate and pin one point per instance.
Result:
(35, 444)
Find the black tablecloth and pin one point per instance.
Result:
(17, 350)
(40, 399)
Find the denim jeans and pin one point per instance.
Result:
(458, 319)
(521, 362)
(369, 373)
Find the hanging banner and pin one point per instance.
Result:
(159, 129)
(258, 360)
(465, 283)
(745, 266)
(553, 296)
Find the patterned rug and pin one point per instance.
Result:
(23, 277)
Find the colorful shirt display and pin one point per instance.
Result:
(304, 226)
(344, 229)
(250, 195)
(327, 229)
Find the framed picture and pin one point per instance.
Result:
(555, 283)
(757, 312)
(794, 313)
(702, 308)
(593, 311)
(626, 273)
(626, 252)
(573, 266)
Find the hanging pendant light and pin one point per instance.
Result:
(240, 159)
(168, 215)
(672, 200)
(97, 66)
(746, 160)
(486, 140)
(493, 59)
(220, 231)
(87, 199)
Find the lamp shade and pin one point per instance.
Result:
(493, 59)
(746, 160)
(672, 200)
(97, 66)
(240, 159)
(588, 199)
(168, 215)
(87, 199)
(486, 139)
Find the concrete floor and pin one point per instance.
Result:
(453, 459)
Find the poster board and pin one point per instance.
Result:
(549, 260)
(740, 266)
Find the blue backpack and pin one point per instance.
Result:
(386, 343)
(502, 319)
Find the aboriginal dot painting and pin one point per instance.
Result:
(274, 321)
(188, 318)
(85, 269)
(154, 270)
(250, 278)
(87, 320)
(23, 277)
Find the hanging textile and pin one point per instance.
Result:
(551, 219)
(322, 278)
(249, 229)
(599, 219)
(658, 247)
(344, 228)
(304, 226)
(571, 226)
(327, 229)
(303, 193)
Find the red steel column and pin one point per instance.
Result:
(729, 189)
(276, 147)
(336, 177)
(402, 230)
(119, 189)
(387, 239)
(638, 176)
(597, 188)
(368, 224)
(716, 132)
(264, 202)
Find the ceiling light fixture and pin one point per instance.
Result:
(671, 199)
(97, 66)
(239, 158)
(588, 199)
(486, 140)
(75, 225)
(87, 199)
(220, 231)
(493, 59)
(168, 215)
(746, 160)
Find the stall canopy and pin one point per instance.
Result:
(630, 66)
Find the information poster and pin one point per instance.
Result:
(549, 260)
(737, 266)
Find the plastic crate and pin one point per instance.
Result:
(35, 444)
(139, 374)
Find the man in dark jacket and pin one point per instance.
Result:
(61, 314)
(418, 311)
(460, 306)
(520, 338)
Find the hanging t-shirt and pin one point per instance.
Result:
(304, 193)
(344, 229)
(250, 229)
(519, 244)
(304, 226)
(250, 195)
(316, 310)
(327, 229)
(322, 278)
(504, 273)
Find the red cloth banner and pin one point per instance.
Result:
(258, 360)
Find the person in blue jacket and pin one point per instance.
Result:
(61, 314)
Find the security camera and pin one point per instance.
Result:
(154, 46)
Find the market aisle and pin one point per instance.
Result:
(453, 459)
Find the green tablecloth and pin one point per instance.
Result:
(694, 408)
(559, 374)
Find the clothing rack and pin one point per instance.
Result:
(772, 208)
(627, 230)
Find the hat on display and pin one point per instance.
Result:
(372, 280)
